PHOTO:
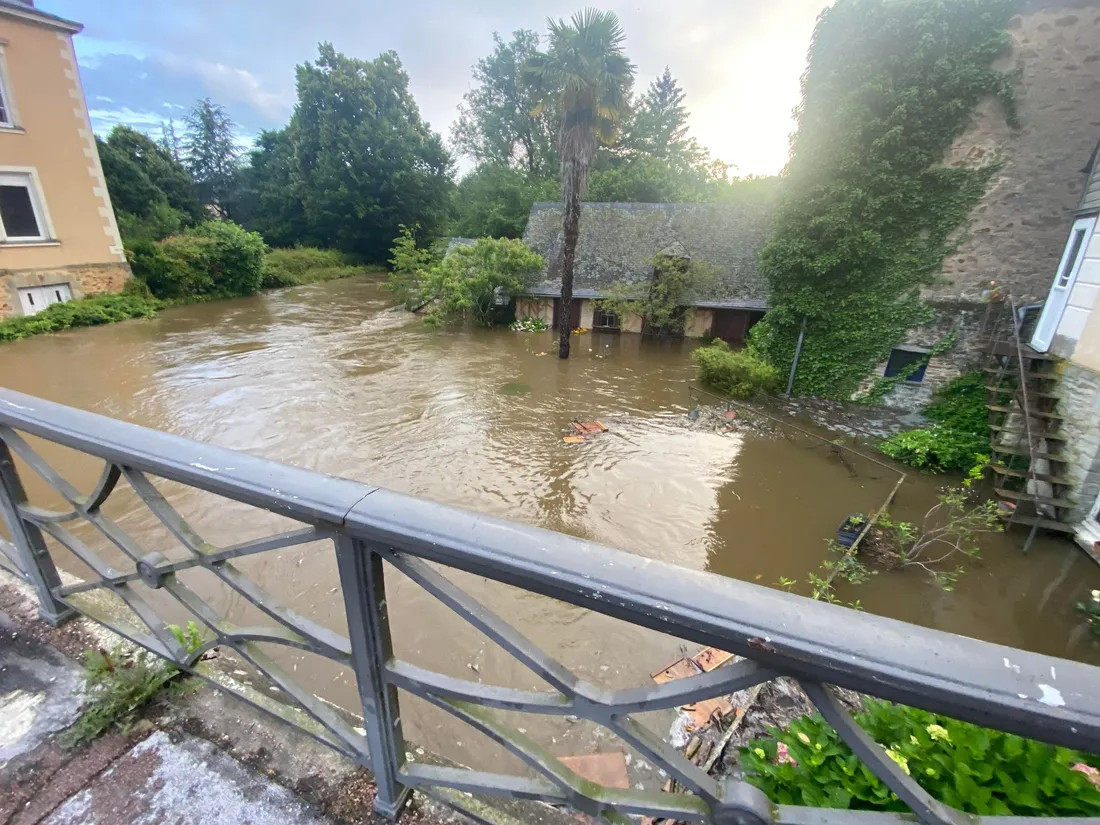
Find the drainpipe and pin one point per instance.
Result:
(797, 353)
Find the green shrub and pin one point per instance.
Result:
(85, 312)
(736, 373)
(305, 265)
(237, 257)
(973, 769)
(217, 258)
(961, 431)
(529, 324)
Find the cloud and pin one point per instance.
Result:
(229, 85)
(739, 62)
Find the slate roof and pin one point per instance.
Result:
(457, 242)
(619, 241)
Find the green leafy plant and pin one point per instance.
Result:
(1091, 611)
(869, 209)
(85, 312)
(960, 432)
(409, 265)
(216, 258)
(661, 300)
(736, 373)
(973, 769)
(120, 682)
(468, 283)
(529, 325)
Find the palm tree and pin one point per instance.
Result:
(586, 76)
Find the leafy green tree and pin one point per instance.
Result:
(267, 189)
(163, 170)
(869, 208)
(169, 140)
(466, 284)
(659, 123)
(585, 75)
(499, 122)
(494, 201)
(360, 159)
(212, 154)
(151, 192)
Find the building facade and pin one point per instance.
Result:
(1016, 233)
(618, 245)
(58, 236)
(1069, 327)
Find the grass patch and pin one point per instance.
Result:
(308, 265)
(120, 682)
(959, 435)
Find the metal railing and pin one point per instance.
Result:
(776, 633)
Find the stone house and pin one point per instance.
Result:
(58, 236)
(1069, 327)
(1017, 232)
(618, 244)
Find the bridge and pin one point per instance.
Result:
(370, 529)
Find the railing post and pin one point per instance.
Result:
(30, 546)
(361, 579)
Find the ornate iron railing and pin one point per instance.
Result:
(817, 644)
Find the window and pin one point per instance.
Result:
(1075, 244)
(901, 360)
(21, 213)
(605, 320)
(7, 112)
(34, 299)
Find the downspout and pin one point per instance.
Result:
(797, 354)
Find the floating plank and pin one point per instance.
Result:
(680, 669)
(710, 658)
(573, 439)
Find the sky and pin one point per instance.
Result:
(145, 61)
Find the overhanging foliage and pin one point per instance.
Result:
(869, 208)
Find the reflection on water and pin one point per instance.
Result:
(328, 377)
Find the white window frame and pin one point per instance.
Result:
(5, 92)
(28, 175)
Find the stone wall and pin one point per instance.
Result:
(82, 280)
(1017, 232)
(963, 319)
(1080, 407)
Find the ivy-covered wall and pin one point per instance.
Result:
(1016, 233)
(869, 209)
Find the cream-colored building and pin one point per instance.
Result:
(58, 236)
(1069, 327)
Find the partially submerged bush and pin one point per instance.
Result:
(961, 431)
(84, 312)
(217, 258)
(468, 282)
(736, 373)
(973, 769)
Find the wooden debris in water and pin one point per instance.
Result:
(589, 427)
(680, 669)
(711, 657)
(573, 439)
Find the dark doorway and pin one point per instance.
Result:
(733, 325)
(574, 313)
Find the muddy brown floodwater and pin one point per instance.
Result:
(328, 377)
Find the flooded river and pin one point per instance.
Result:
(327, 377)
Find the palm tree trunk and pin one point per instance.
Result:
(571, 229)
